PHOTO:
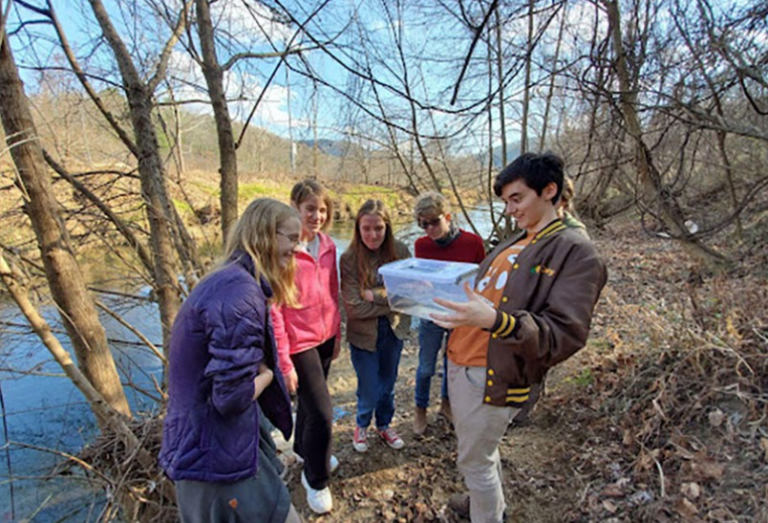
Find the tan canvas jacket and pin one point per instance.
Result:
(363, 316)
(545, 312)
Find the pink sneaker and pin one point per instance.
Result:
(360, 439)
(391, 438)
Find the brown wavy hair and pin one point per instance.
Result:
(361, 253)
(255, 233)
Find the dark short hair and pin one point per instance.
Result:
(536, 170)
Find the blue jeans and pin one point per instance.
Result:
(431, 340)
(376, 375)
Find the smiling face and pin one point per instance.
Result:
(373, 231)
(531, 211)
(314, 214)
(288, 236)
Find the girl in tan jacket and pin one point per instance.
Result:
(375, 333)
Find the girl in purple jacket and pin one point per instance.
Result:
(308, 340)
(223, 377)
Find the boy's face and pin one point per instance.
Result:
(531, 211)
(435, 226)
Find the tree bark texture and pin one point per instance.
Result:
(153, 184)
(66, 282)
(214, 79)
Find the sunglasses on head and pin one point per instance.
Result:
(425, 224)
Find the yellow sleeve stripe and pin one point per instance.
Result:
(526, 390)
(504, 323)
(517, 399)
(507, 325)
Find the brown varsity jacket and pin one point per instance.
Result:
(545, 312)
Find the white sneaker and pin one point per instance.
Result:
(320, 501)
(334, 462)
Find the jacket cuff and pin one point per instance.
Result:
(504, 326)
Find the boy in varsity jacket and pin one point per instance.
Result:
(531, 308)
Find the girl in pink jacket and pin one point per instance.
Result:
(308, 339)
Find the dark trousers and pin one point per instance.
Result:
(263, 498)
(312, 436)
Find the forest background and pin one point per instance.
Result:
(142, 127)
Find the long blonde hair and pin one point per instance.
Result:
(255, 233)
(358, 248)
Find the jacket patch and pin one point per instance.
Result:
(541, 269)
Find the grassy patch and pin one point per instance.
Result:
(584, 378)
(182, 206)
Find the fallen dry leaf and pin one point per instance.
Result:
(690, 490)
(610, 507)
(613, 491)
(706, 469)
(686, 509)
(716, 418)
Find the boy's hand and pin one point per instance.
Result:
(476, 312)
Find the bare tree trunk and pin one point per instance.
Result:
(153, 184)
(315, 150)
(653, 191)
(500, 76)
(290, 122)
(527, 87)
(214, 78)
(551, 89)
(67, 284)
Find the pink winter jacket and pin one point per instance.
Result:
(317, 319)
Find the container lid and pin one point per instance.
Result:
(437, 271)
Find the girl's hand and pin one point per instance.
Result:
(337, 346)
(262, 380)
(292, 381)
(367, 295)
(477, 312)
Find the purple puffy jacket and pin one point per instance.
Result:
(221, 334)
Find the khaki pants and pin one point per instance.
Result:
(479, 429)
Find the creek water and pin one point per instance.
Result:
(44, 417)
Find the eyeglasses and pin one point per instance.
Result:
(425, 224)
(293, 238)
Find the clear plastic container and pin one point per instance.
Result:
(413, 284)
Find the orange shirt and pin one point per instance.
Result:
(468, 346)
